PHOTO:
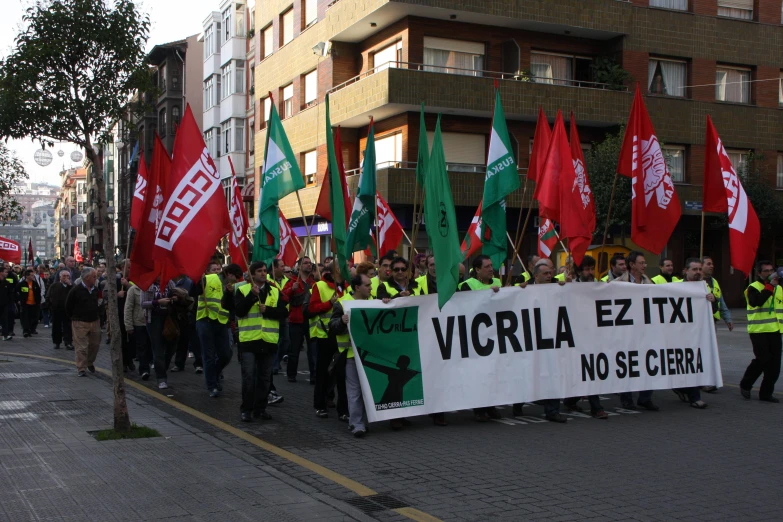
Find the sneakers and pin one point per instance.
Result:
(274, 398)
(199, 370)
(245, 417)
(745, 393)
(81, 373)
(557, 417)
(91, 368)
(162, 385)
(214, 393)
(321, 414)
(285, 359)
(145, 376)
(600, 414)
(190, 355)
(7, 338)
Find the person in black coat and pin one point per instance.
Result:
(28, 295)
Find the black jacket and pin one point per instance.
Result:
(56, 294)
(81, 304)
(758, 298)
(23, 289)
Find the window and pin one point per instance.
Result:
(742, 9)
(209, 141)
(209, 41)
(779, 179)
(233, 131)
(209, 93)
(310, 166)
(453, 56)
(162, 77)
(311, 12)
(251, 143)
(174, 119)
(266, 41)
(666, 77)
(239, 79)
(288, 100)
(162, 122)
(286, 27)
(239, 134)
(463, 149)
(226, 130)
(226, 25)
(311, 88)
(682, 5)
(560, 69)
(388, 57)
(739, 159)
(226, 73)
(267, 104)
(732, 85)
(388, 151)
(675, 160)
(240, 30)
(175, 78)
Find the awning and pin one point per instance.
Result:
(249, 191)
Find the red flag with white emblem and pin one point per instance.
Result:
(655, 205)
(723, 192)
(472, 242)
(577, 208)
(10, 251)
(290, 246)
(139, 193)
(237, 244)
(194, 217)
(390, 231)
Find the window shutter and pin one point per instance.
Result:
(288, 91)
(459, 46)
(736, 4)
(459, 147)
(311, 11)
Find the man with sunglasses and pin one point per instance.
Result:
(400, 285)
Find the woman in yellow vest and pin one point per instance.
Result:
(259, 308)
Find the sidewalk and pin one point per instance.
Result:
(51, 468)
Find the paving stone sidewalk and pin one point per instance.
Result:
(51, 468)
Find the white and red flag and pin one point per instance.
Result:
(77, 252)
(139, 193)
(473, 239)
(723, 192)
(577, 212)
(237, 244)
(547, 238)
(10, 251)
(194, 217)
(290, 246)
(655, 205)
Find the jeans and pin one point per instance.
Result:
(215, 350)
(312, 358)
(162, 350)
(766, 348)
(282, 345)
(595, 402)
(644, 396)
(357, 417)
(326, 350)
(256, 379)
(29, 318)
(141, 339)
(61, 327)
(299, 334)
(45, 315)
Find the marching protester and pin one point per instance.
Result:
(636, 266)
(617, 268)
(280, 280)
(721, 311)
(259, 307)
(28, 295)
(187, 331)
(667, 273)
(420, 265)
(81, 307)
(483, 277)
(10, 313)
(135, 320)
(764, 298)
(56, 295)
(41, 277)
(400, 285)
(297, 292)
(384, 272)
(161, 327)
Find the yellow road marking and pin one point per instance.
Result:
(352, 485)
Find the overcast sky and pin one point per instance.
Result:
(170, 20)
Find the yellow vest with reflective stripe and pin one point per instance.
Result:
(765, 318)
(421, 288)
(475, 284)
(209, 301)
(374, 283)
(344, 340)
(254, 326)
(717, 292)
(560, 277)
(319, 324)
(390, 289)
(660, 280)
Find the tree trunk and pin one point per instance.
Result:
(121, 418)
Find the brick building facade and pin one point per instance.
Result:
(691, 58)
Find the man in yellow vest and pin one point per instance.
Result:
(667, 273)
(764, 298)
(400, 284)
(617, 268)
(212, 324)
(483, 277)
(384, 272)
(260, 308)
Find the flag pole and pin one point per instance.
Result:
(307, 227)
(701, 240)
(608, 215)
(417, 218)
(516, 235)
(518, 244)
(127, 255)
(570, 264)
(516, 254)
(415, 204)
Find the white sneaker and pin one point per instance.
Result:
(162, 385)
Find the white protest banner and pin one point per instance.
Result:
(526, 344)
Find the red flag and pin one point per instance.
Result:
(390, 233)
(290, 246)
(237, 245)
(541, 141)
(30, 254)
(194, 217)
(10, 251)
(578, 207)
(547, 239)
(139, 193)
(322, 208)
(77, 253)
(472, 242)
(558, 157)
(144, 270)
(723, 192)
(656, 210)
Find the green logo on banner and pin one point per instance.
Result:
(388, 343)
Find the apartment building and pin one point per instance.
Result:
(382, 58)
(70, 210)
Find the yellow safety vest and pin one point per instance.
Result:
(475, 284)
(344, 340)
(254, 326)
(421, 286)
(605, 279)
(660, 280)
(767, 317)
(319, 324)
(209, 302)
(560, 277)
(374, 282)
(717, 292)
(390, 289)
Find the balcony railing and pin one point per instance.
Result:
(457, 71)
(411, 165)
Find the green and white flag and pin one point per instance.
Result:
(363, 213)
(280, 175)
(336, 198)
(501, 180)
(441, 221)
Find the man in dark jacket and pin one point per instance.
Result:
(28, 295)
(6, 300)
(61, 324)
(81, 306)
(10, 310)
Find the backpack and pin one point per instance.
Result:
(306, 305)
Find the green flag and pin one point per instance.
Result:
(441, 221)
(363, 213)
(501, 180)
(280, 175)
(336, 199)
(424, 147)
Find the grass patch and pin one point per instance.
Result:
(136, 432)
